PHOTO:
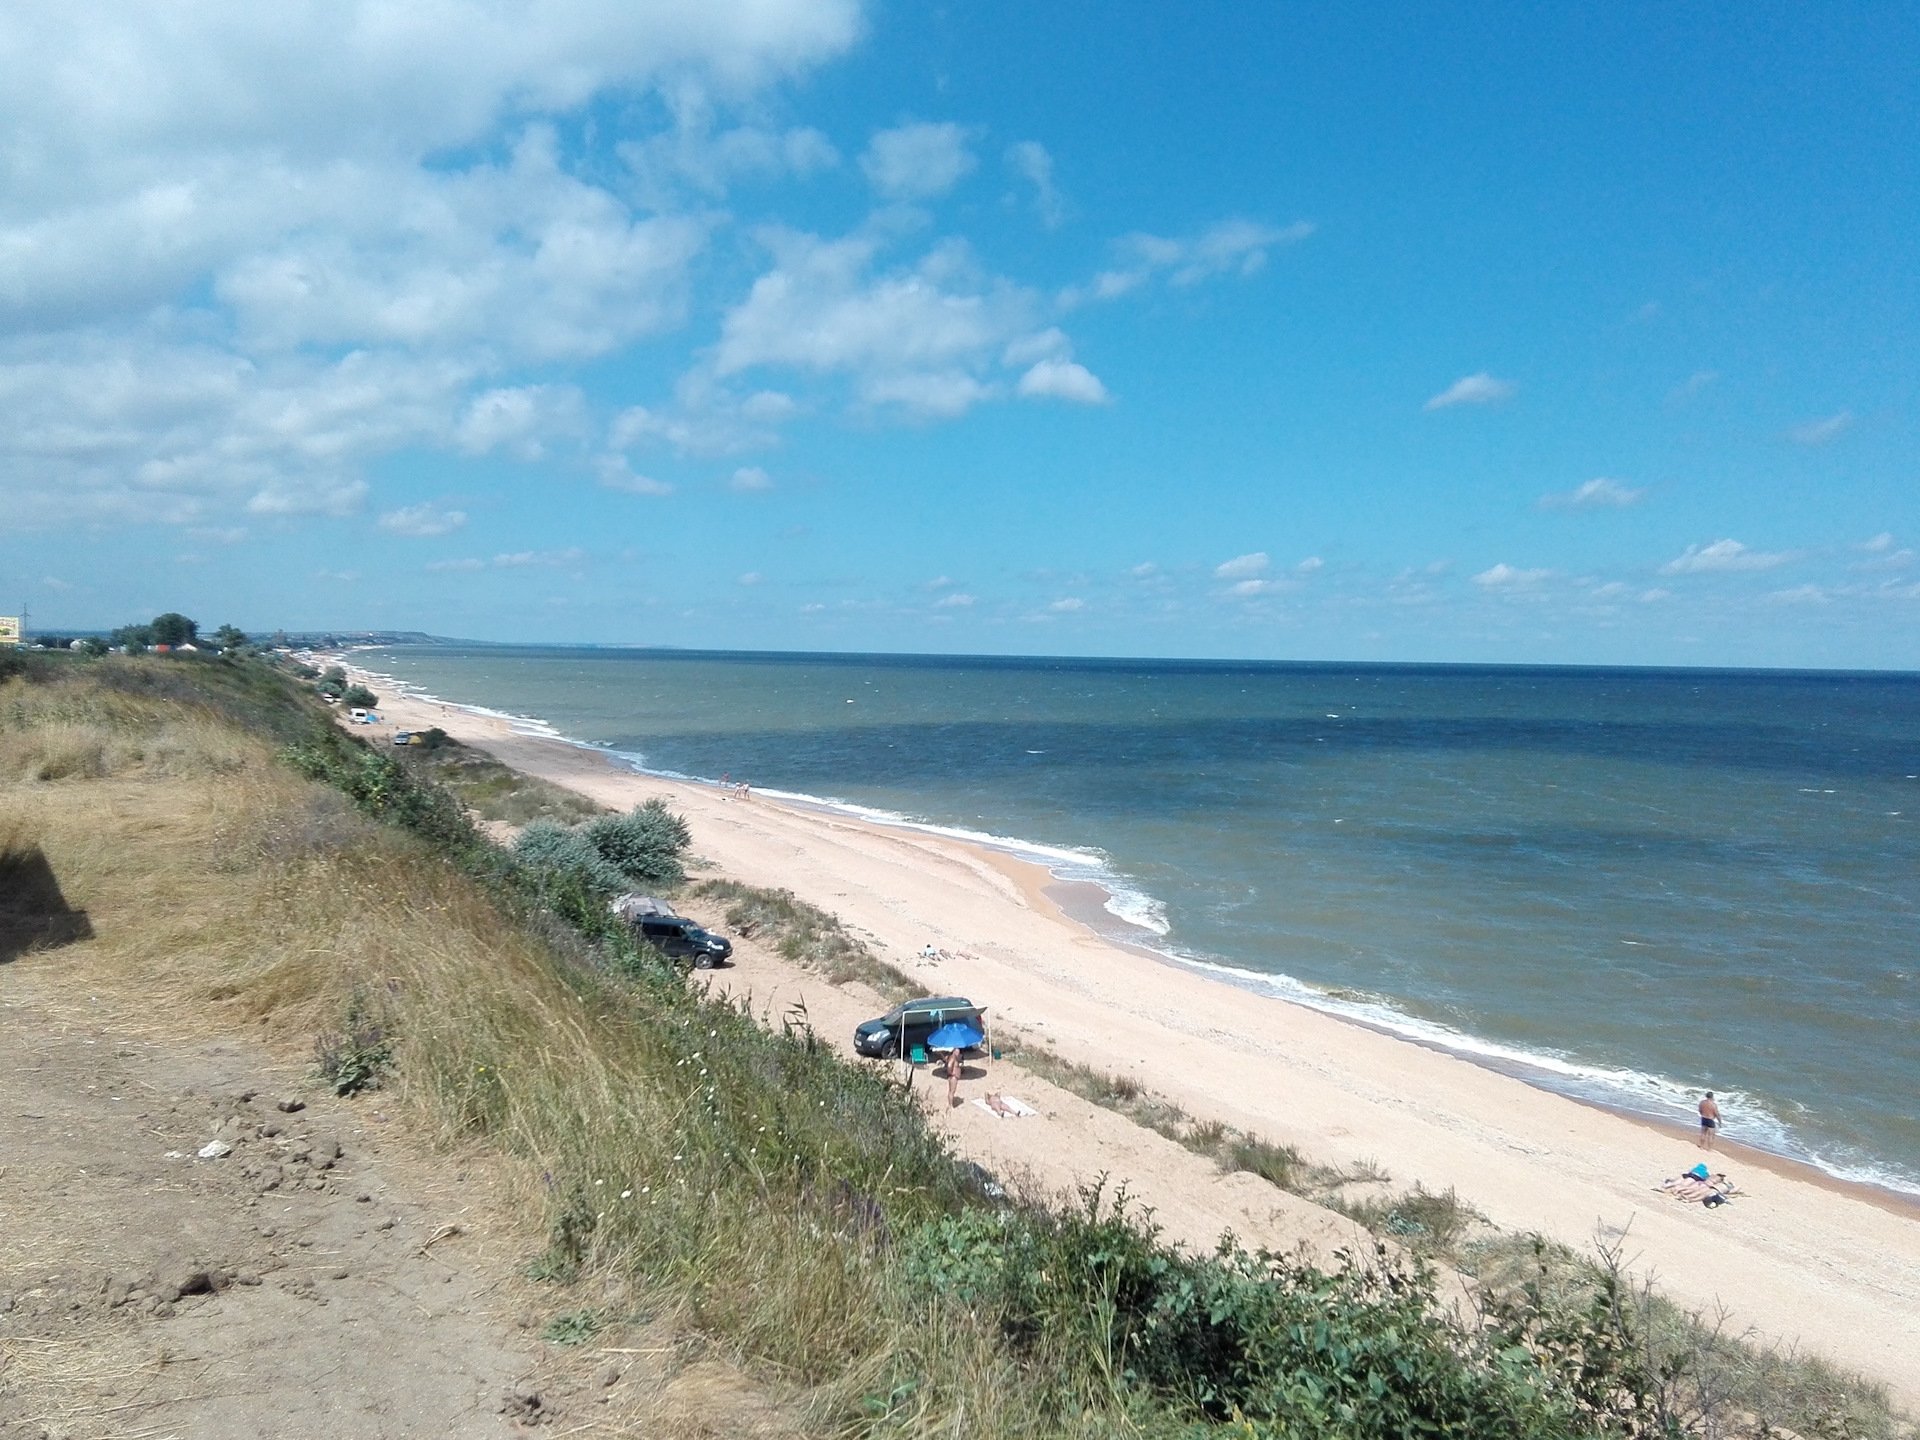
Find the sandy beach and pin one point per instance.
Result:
(1797, 1259)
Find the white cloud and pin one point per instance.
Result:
(470, 562)
(1599, 493)
(1029, 160)
(1879, 544)
(1721, 556)
(921, 336)
(696, 155)
(918, 161)
(1242, 566)
(1819, 432)
(750, 478)
(616, 474)
(1801, 595)
(751, 578)
(1256, 587)
(519, 420)
(1508, 577)
(941, 394)
(1048, 344)
(1063, 380)
(247, 252)
(423, 519)
(523, 559)
(956, 601)
(1309, 565)
(1230, 247)
(1145, 570)
(706, 419)
(1067, 605)
(1477, 389)
(1883, 553)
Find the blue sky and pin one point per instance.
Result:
(1451, 333)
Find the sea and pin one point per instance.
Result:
(1625, 885)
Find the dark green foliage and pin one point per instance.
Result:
(565, 855)
(1262, 1338)
(359, 695)
(355, 1057)
(383, 787)
(645, 844)
(230, 637)
(172, 628)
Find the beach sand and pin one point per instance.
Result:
(1797, 1260)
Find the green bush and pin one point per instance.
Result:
(566, 853)
(645, 844)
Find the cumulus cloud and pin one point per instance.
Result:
(1819, 432)
(1309, 565)
(283, 182)
(616, 473)
(1509, 577)
(424, 519)
(1067, 605)
(1063, 380)
(1242, 566)
(1030, 161)
(958, 600)
(1599, 493)
(918, 161)
(923, 336)
(750, 578)
(1256, 587)
(706, 419)
(1721, 557)
(1230, 247)
(750, 478)
(1476, 389)
(519, 420)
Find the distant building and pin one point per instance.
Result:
(9, 629)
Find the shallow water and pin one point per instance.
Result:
(1629, 885)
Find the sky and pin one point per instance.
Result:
(1489, 333)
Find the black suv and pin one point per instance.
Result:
(908, 1025)
(680, 938)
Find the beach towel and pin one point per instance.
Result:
(1012, 1107)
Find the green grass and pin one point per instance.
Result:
(806, 935)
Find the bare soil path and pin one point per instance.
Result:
(322, 1276)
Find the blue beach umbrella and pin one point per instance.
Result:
(954, 1035)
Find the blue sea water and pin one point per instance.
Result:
(1627, 885)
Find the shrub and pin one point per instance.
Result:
(565, 856)
(361, 696)
(645, 844)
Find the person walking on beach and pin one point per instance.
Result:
(1709, 1120)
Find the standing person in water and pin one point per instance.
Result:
(1709, 1120)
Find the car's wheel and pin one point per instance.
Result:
(889, 1049)
(703, 962)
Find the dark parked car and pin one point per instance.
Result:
(908, 1025)
(681, 938)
